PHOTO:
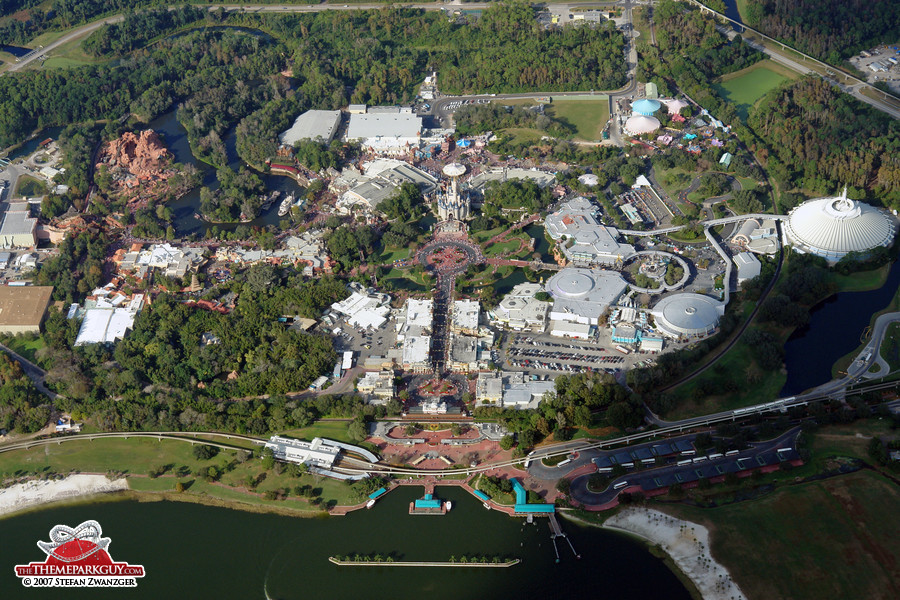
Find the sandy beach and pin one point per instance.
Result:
(22, 496)
(688, 545)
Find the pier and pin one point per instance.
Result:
(557, 532)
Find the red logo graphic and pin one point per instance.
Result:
(78, 557)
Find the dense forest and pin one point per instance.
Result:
(22, 408)
(690, 54)
(820, 140)
(830, 30)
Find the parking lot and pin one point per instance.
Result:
(365, 343)
(545, 354)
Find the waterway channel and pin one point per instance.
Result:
(834, 329)
(199, 552)
(185, 208)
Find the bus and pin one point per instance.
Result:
(564, 463)
(622, 349)
(620, 485)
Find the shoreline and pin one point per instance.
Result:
(22, 498)
(38, 493)
(685, 546)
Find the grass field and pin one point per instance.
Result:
(836, 538)
(68, 55)
(737, 366)
(831, 538)
(28, 186)
(137, 456)
(890, 347)
(24, 346)
(588, 117)
(333, 430)
(743, 88)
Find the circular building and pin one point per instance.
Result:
(454, 170)
(834, 227)
(645, 106)
(687, 315)
(674, 105)
(589, 179)
(639, 124)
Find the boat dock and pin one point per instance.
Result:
(557, 532)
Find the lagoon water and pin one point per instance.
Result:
(199, 552)
(184, 209)
(834, 329)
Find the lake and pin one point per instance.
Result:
(834, 329)
(198, 552)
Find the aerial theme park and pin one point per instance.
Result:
(517, 299)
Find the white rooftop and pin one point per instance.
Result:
(584, 294)
(465, 314)
(378, 124)
(593, 242)
(416, 349)
(418, 312)
(313, 124)
(104, 325)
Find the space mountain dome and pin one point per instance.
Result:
(834, 227)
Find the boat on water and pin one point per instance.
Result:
(370, 503)
(286, 205)
(270, 199)
(448, 505)
(486, 505)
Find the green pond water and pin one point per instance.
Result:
(199, 552)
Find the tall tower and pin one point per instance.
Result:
(452, 206)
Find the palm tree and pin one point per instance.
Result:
(463, 559)
(452, 558)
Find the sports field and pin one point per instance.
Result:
(743, 88)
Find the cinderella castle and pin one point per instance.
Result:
(451, 204)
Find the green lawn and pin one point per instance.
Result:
(392, 253)
(890, 347)
(523, 134)
(25, 346)
(332, 430)
(137, 456)
(743, 88)
(835, 538)
(483, 236)
(28, 186)
(588, 116)
(735, 369)
(502, 247)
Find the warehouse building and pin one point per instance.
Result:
(318, 125)
(390, 130)
(23, 308)
(18, 229)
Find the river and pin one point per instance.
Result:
(186, 207)
(199, 552)
(731, 11)
(834, 329)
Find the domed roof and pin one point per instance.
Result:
(574, 283)
(833, 227)
(687, 314)
(589, 179)
(645, 106)
(641, 124)
(674, 104)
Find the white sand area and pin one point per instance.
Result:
(688, 545)
(26, 495)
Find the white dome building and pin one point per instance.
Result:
(674, 105)
(639, 124)
(687, 315)
(834, 227)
